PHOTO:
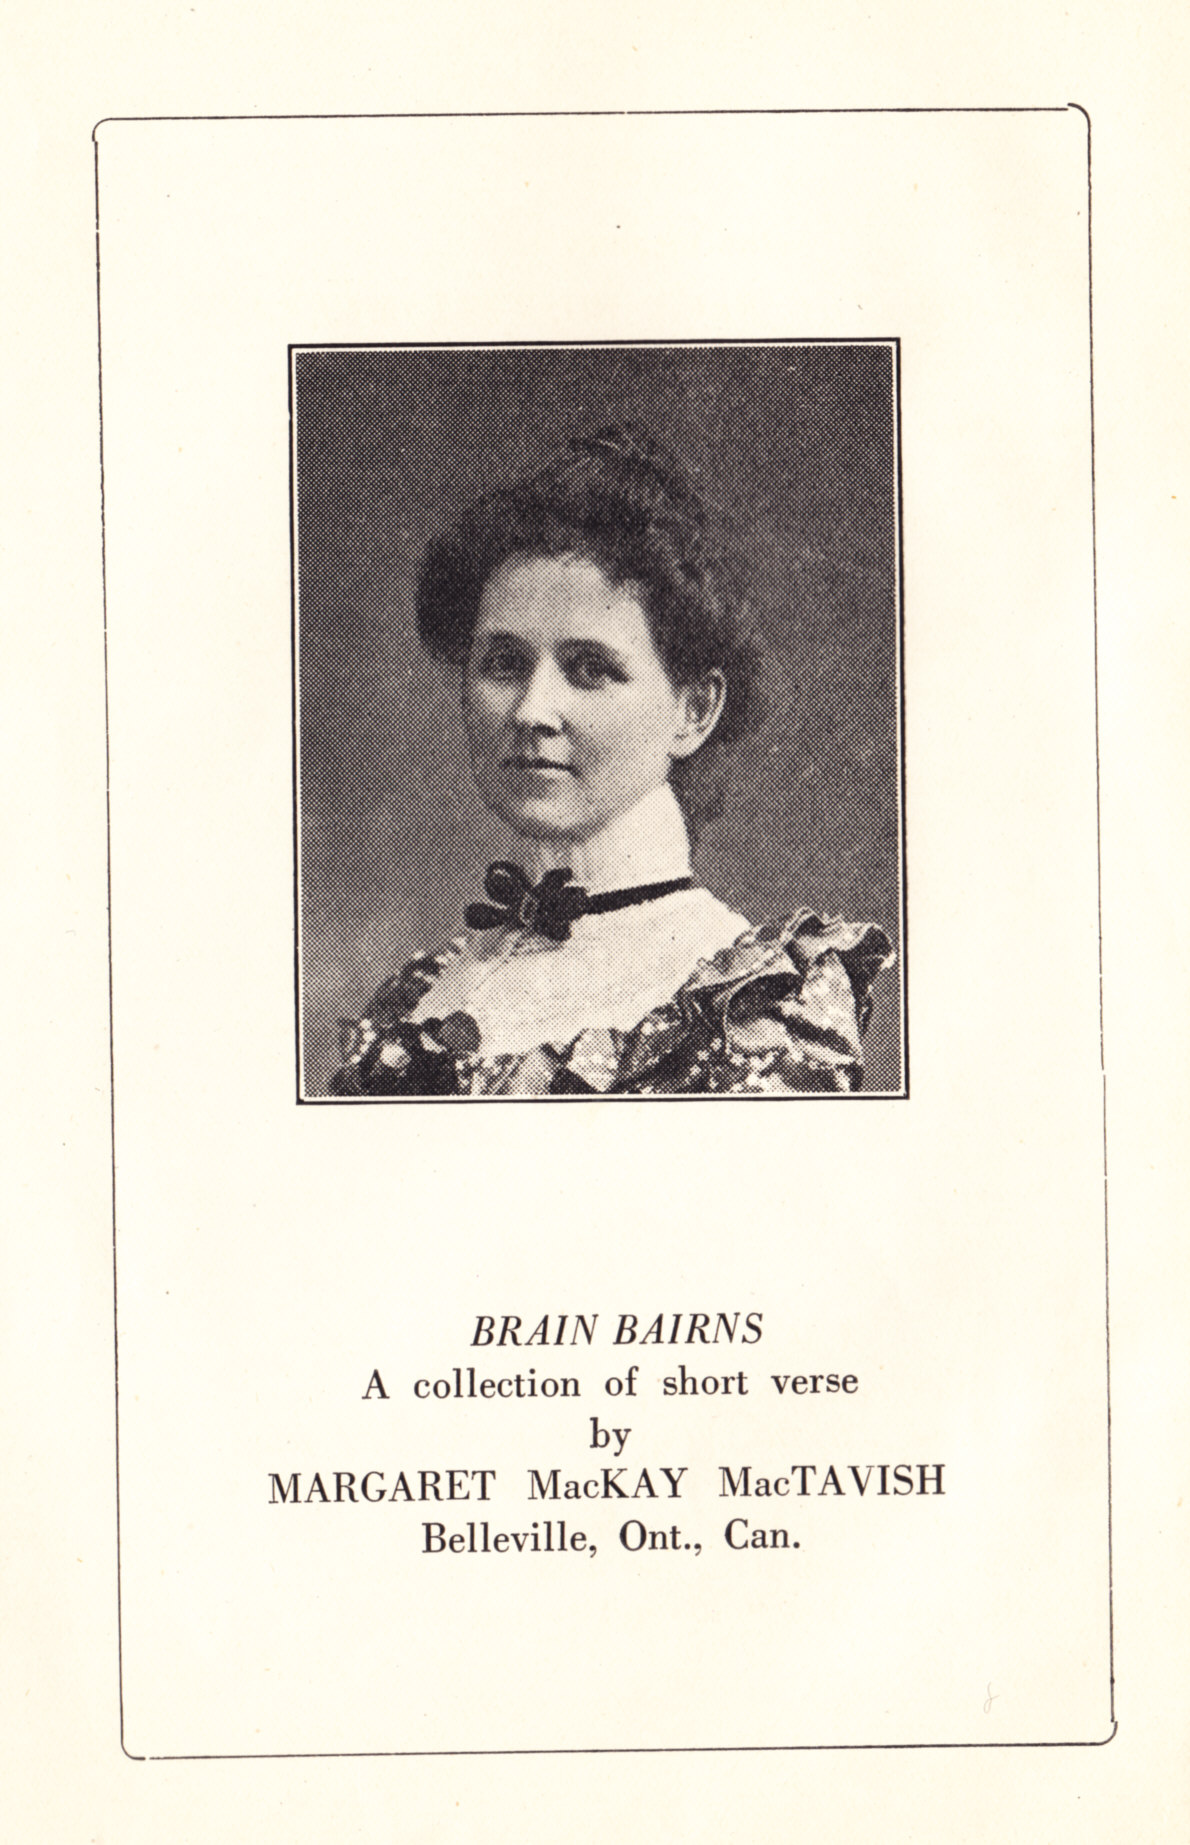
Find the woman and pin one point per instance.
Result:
(605, 681)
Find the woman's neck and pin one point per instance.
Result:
(646, 845)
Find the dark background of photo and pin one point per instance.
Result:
(793, 445)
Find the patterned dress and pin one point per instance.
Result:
(779, 1011)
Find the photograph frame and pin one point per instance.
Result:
(890, 1074)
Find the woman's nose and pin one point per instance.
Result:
(541, 704)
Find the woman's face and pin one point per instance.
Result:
(570, 713)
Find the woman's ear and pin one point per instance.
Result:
(701, 708)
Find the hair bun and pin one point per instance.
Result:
(633, 448)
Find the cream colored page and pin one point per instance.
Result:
(256, 1340)
(943, 1253)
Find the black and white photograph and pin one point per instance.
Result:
(599, 720)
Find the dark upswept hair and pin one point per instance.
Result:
(623, 502)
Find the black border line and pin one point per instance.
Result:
(111, 1004)
(902, 739)
(724, 1749)
(892, 341)
(1111, 1639)
(538, 115)
(295, 766)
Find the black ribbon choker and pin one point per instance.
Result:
(549, 908)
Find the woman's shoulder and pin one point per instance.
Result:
(803, 945)
(371, 1045)
(783, 1007)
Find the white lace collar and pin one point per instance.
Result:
(523, 991)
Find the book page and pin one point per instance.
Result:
(815, 1367)
(727, 1430)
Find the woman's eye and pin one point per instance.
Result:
(590, 670)
(501, 662)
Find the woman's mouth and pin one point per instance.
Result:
(537, 765)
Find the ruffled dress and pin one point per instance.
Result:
(780, 1010)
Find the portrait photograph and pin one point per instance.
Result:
(598, 721)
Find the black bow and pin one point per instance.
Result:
(517, 903)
